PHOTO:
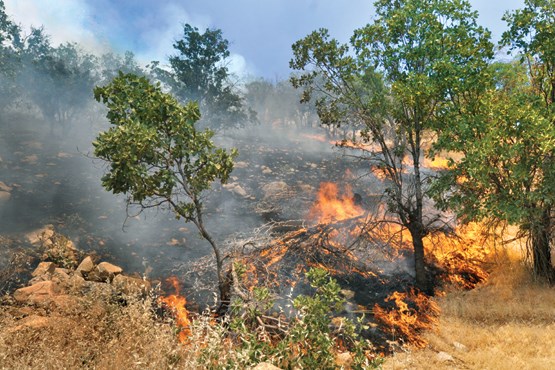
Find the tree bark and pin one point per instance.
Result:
(540, 240)
(421, 276)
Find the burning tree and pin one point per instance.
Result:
(156, 154)
(396, 85)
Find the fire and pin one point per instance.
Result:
(176, 304)
(414, 312)
(331, 206)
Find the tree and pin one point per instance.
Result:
(157, 156)
(199, 73)
(397, 84)
(508, 140)
(9, 63)
(58, 80)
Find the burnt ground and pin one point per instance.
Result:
(52, 180)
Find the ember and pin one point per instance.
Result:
(176, 304)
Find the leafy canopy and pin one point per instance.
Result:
(156, 154)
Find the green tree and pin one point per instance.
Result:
(58, 80)
(157, 156)
(10, 42)
(508, 140)
(199, 73)
(397, 84)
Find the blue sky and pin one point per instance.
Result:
(261, 32)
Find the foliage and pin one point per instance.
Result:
(310, 340)
(397, 85)
(508, 139)
(199, 73)
(9, 43)
(155, 153)
(65, 74)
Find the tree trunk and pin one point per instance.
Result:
(421, 277)
(540, 238)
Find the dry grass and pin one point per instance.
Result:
(89, 335)
(507, 323)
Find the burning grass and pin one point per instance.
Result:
(507, 322)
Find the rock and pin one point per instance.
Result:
(40, 235)
(60, 275)
(32, 321)
(107, 271)
(265, 366)
(275, 189)
(344, 360)
(44, 268)
(460, 347)
(40, 293)
(4, 187)
(66, 302)
(130, 285)
(76, 282)
(240, 164)
(266, 170)
(347, 294)
(86, 266)
(240, 191)
(444, 357)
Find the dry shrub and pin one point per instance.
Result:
(90, 334)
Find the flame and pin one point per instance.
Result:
(176, 303)
(331, 206)
(414, 312)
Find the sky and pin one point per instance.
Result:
(260, 32)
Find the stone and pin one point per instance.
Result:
(40, 293)
(347, 294)
(130, 285)
(4, 196)
(33, 322)
(86, 266)
(44, 268)
(444, 357)
(60, 275)
(275, 189)
(266, 170)
(460, 347)
(40, 235)
(240, 164)
(76, 282)
(344, 360)
(265, 366)
(107, 271)
(4, 187)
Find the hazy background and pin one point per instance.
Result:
(260, 32)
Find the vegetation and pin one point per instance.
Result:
(507, 137)
(406, 70)
(420, 81)
(157, 156)
(199, 73)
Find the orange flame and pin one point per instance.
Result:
(331, 206)
(176, 304)
(408, 322)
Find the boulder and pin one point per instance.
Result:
(86, 266)
(40, 293)
(44, 268)
(275, 189)
(107, 271)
